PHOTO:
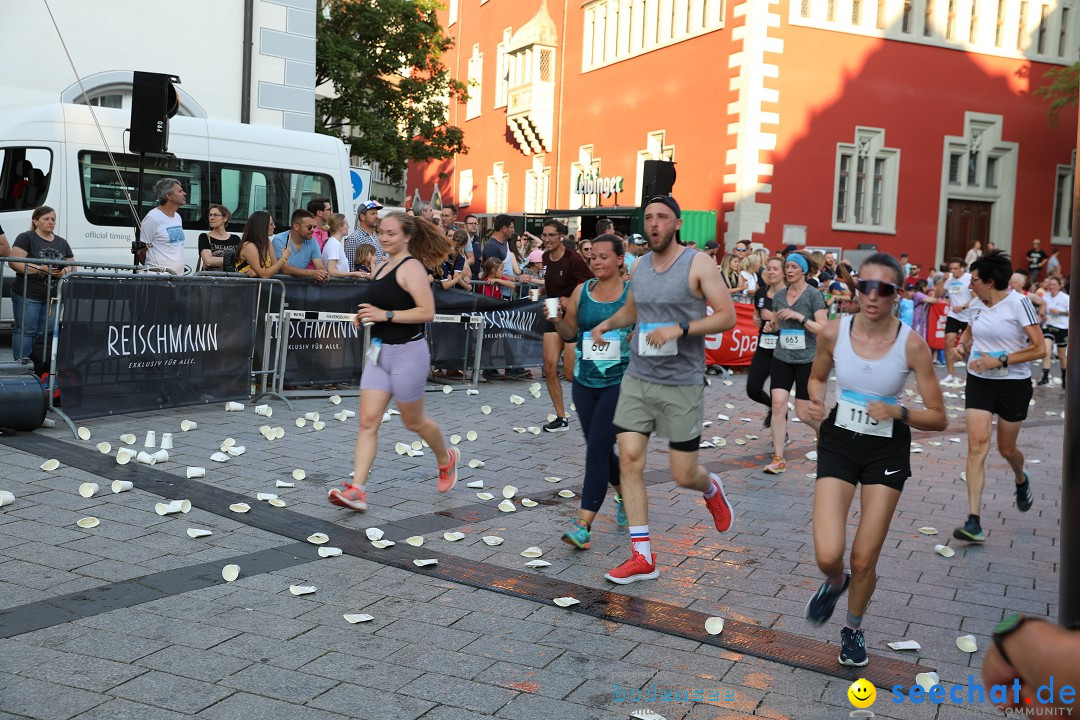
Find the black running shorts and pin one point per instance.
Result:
(1007, 398)
(867, 459)
(1060, 336)
(784, 375)
(952, 325)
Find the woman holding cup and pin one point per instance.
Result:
(398, 360)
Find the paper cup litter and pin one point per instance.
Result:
(124, 456)
(264, 410)
(119, 486)
(329, 552)
(6, 498)
(453, 536)
(128, 438)
(104, 448)
(318, 425)
(381, 544)
(928, 530)
(88, 522)
(374, 533)
(566, 493)
(220, 457)
(196, 472)
(475, 484)
(188, 425)
(230, 572)
(236, 450)
(151, 439)
(492, 540)
(84, 433)
(714, 625)
(551, 308)
(533, 552)
(239, 507)
(353, 618)
(944, 551)
(265, 496)
(507, 506)
(927, 680)
(146, 458)
(234, 407)
(171, 507)
(298, 474)
(447, 389)
(509, 491)
(537, 564)
(553, 479)
(471, 436)
(335, 399)
(425, 562)
(486, 409)
(50, 465)
(300, 422)
(302, 589)
(472, 391)
(194, 533)
(88, 489)
(166, 441)
(967, 643)
(276, 502)
(485, 496)
(455, 439)
(284, 484)
(474, 464)
(566, 601)
(415, 540)
(905, 645)
(526, 502)
(162, 456)
(318, 538)
(312, 416)
(279, 432)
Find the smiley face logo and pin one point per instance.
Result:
(862, 693)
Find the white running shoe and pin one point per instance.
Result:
(948, 381)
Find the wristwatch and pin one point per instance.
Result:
(389, 316)
(685, 328)
(1005, 628)
(903, 414)
(1005, 361)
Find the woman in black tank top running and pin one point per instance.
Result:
(398, 360)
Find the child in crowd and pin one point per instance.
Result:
(365, 258)
(493, 274)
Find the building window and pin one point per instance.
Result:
(1021, 26)
(465, 188)
(954, 168)
(476, 72)
(537, 186)
(999, 31)
(950, 21)
(1063, 203)
(856, 12)
(502, 69)
(881, 19)
(991, 172)
(616, 30)
(1063, 31)
(1040, 42)
(928, 18)
(867, 175)
(498, 189)
(973, 28)
(905, 26)
(453, 12)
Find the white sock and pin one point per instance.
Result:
(639, 541)
(713, 488)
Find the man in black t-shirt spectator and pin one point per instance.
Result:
(1036, 261)
(474, 246)
(5, 249)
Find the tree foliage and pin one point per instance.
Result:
(1062, 89)
(384, 58)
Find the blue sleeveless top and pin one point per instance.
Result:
(599, 373)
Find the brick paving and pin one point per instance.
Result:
(441, 650)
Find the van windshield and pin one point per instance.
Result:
(25, 173)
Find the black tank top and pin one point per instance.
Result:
(385, 293)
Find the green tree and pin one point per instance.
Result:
(384, 58)
(1061, 90)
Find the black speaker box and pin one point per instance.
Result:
(658, 178)
(153, 102)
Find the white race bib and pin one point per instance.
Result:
(373, 351)
(767, 342)
(852, 413)
(1001, 372)
(793, 339)
(646, 350)
(611, 349)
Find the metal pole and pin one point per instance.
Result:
(1069, 587)
(137, 245)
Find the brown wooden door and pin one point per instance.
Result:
(965, 222)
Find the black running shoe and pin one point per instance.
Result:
(852, 647)
(1044, 381)
(971, 531)
(1024, 498)
(820, 607)
(558, 425)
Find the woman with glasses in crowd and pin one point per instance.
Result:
(1002, 337)
(214, 245)
(865, 439)
(799, 315)
(35, 283)
(761, 362)
(255, 256)
(333, 250)
(584, 248)
(730, 268)
(399, 358)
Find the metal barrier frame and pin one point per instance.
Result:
(476, 322)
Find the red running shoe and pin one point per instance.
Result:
(719, 506)
(448, 472)
(634, 569)
(353, 497)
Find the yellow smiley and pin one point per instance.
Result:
(862, 693)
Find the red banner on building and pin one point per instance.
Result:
(935, 326)
(736, 347)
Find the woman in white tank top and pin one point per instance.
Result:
(865, 439)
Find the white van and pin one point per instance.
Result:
(53, 155)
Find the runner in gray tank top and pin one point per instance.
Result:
(662, 390)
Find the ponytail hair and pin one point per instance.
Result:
(427, 243)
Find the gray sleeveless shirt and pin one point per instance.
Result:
(665, 298)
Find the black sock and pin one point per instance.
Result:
(976, 519)
(1046, 373)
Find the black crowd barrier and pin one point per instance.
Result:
(513, 331)
(138, 342)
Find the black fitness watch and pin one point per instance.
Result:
(904, 414)
(685, 328)
(389, 316)
(1005, 628)
(1005, 361)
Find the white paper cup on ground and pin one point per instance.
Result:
(335, 399)
(119, 486)
(104, 448)
(146, 458)
(196, 472)
(312, 416)
(169, 508)
(128, 438)
(6, 498)
(88, 522)
(166, 441)
(50, 465)
(264, 410)
(151, 439)
(162, 456)
(551, 308)
(124, 456)
(230, 572)
(88, 489)
(188, 425)
(234, 407)
(84, 433)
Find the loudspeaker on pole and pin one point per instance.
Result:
(153, 102)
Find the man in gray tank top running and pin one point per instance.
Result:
(663, 388)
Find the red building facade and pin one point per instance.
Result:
(911, 125)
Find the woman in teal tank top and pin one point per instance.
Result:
(599, 371)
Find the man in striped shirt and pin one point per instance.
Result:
(365, 234)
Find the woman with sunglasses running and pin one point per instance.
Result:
(799, 315)
(865, 439)
(1003, 337)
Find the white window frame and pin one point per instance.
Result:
(502, 69)
(617, 30)
(498, 189)
(537, 185)
(453, 13)
(1063, 203)
(655, 149)
(474, 106)
(869, 149)
(465, 188)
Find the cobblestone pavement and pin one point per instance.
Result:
(161, 635)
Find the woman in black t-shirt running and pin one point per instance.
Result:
(761, 363)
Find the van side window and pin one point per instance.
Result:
(25, 174)
(246, 189)
(105, 203)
